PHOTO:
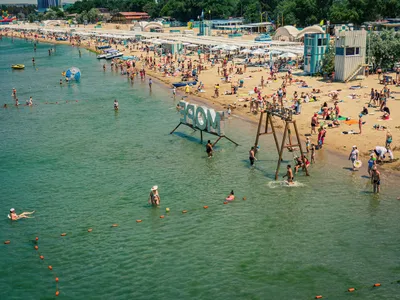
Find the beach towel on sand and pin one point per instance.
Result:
(351, 122)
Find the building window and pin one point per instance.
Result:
(351, 51)
(339, 51)
(322, 42)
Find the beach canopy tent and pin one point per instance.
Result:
(286, 33)
(288, 55)
(309, 29)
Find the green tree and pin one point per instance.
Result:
(81, 18)
(384, 49)
(32, 17)
(328, 61)
(93, 15)
(50, 15)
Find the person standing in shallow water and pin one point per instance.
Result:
(252, 156)
(209, 149)
(376, 179)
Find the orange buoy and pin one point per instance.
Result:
(162, 217)
(225, 202)
(318, 297)
(36, 247)
(205, 206)
(138, 221)
(56, 279)
(184, 211)
(63, 234)
(36, 238)
(90, 230)
(50, 268)
(244, 198)
(377, 284)
(114, 225)
(7, 242)
(41, 257)
(57, 293)
(351, 290)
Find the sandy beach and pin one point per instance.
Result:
(351, 97)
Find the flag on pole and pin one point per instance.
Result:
(321, 23)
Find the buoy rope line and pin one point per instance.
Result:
(50, 267)
(352, 289)
(167, 210)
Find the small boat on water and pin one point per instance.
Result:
(18, 67)
(184, 83)
(105, 53)
(114, 55)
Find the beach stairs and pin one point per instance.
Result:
(356, 72)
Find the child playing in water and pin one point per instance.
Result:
(313, 153)
(289, 174)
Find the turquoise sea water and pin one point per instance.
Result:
(80, 165)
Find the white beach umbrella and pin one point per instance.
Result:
(275, 52)
(258, 52)
(245, 51)
(218, 47)
(230, 48)
(288, 55)
(192, 46)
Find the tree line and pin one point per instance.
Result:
(283, 12)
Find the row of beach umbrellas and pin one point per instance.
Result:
(258, 51)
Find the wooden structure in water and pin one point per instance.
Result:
(286, 115)
(201, 134)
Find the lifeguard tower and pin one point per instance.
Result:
(350, 50)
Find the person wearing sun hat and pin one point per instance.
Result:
(354, 156)
(13, 215)
(371, 163)
(154, 197)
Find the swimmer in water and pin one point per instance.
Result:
(30, 101)
(154, 197)
(209, 149)
(24, 215)
(116, 105)
(289, 174)
(231, 196)
(60, 81)
(14, 92)
(376, 179)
